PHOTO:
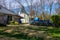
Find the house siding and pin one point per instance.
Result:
(17, 19)
(7, 15)
(3, 19)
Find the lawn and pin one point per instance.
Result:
(30, 32)
(55, 32)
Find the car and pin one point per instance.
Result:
(46, 23)
(41, 22)
(34, 21)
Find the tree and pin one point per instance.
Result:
(58, 9)
(3, 3)
(51, 4)
(32, 14)
(22, 7)
(28, 5)
(42, 9)
(56, 20)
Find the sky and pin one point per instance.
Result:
(12, 4)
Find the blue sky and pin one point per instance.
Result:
(15, 6)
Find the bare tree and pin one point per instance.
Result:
(3, 3)
(58, 10)
(22, 7)
(38, 4)
(27, 3)
(42, 9)
(31, 11)
(51, 4)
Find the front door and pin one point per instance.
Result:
(9, 18)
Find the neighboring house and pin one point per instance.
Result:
(25, 18)
(6, 15)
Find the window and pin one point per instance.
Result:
(0, 7)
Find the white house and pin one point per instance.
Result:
(25, 18)
(7, 15)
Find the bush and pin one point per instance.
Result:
(56, 20)
(1, 24)
(14, 22)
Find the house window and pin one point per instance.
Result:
(0, 7)
(9, 18)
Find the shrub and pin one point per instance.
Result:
(14, 22)
(56, 20)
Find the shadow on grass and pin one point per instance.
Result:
(54, 32)
(19, 36)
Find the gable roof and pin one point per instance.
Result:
(6, 11)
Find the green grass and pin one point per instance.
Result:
(17, 36)
(2, 28)
(52, 31)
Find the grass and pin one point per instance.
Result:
(52, 31)
(17, 36)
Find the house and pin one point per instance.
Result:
(6, 15)
(24, 14)
(25, 18)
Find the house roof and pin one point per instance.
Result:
(7, 11)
